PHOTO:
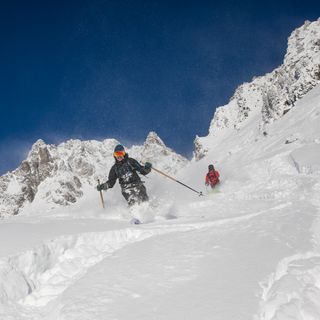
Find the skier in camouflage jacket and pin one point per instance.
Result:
(125, 169)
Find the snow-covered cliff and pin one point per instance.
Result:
(269, 97)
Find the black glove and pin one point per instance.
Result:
(102, 186)
(148, 165)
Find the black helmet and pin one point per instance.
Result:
(211, 167)
(119, 147)
(119, 151)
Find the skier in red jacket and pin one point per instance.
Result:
(212, 177)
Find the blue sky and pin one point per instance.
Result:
(119, 69)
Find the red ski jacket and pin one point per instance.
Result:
(212, 178)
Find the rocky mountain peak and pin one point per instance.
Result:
(153, 138)
(267, 98)
(303, 42)
(154, 150)
(57, 175)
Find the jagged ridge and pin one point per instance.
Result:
(56, 175)
(269, 97)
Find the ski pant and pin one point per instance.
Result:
(135, 194)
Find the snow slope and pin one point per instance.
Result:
(249, 251)
(268, 98)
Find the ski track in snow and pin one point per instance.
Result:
(270, 207)
(40, 275)
(36, 277)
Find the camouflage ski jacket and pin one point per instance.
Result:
(126, 171)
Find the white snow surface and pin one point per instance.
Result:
(250, 250)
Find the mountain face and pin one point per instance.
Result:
(270, 97)
(155, 151)
(56, 175)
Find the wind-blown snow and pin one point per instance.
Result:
(250, 250)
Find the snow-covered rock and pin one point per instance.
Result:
(154, 150)
(56, 174)
(269, 97)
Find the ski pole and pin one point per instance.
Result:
(101, 195)
(166, 175)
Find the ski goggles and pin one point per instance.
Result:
(119, 153)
